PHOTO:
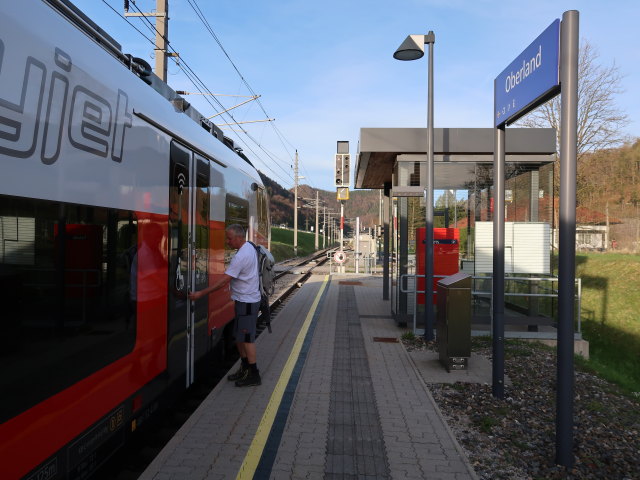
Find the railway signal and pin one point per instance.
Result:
(342, 193)
(343, 164)
(343, 172)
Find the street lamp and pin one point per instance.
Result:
(412, 49)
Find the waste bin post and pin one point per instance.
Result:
(453, 326)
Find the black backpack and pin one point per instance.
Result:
(266, 276)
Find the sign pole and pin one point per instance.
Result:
(529, 81)
(567, 248)
(497, 298)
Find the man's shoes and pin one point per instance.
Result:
(251, 379)
(239, 374)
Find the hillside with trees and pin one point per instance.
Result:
(362, 203)
(608, 182)
(608, 193)
(608, 160)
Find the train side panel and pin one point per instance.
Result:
(84, 190)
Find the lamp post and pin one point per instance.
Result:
(412, 49)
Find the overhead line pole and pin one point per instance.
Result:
(317, 211)
(324, 226)
(295, 205)
(162, 33)
(162, 30)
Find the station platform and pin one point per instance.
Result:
(340, 398)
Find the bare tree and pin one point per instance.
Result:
(600, 121)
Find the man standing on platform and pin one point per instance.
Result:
(242, 273)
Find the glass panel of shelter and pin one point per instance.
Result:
(463, 196)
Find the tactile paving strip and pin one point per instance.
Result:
(355, 447)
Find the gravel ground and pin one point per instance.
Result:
(514, 438)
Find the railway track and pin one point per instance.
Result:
(146, 444)
(318, 259)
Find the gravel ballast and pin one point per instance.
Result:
(514, 438)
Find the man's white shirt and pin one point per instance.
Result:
(245, 284)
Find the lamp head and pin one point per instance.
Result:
(413, 46)
(411, 49)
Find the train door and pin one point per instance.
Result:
(188, 250)
(200, 259)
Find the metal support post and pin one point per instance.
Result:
(428, 281)
(386, 211)
(357, 249)
(497, 297)
(567, 248)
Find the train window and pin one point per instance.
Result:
(65, 293)
(236, 212)
(263, 214)
(202, 224)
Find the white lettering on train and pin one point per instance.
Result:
(95, 124)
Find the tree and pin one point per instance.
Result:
(600, 121)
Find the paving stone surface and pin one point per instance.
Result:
(354, 407)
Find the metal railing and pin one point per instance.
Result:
(529, 288)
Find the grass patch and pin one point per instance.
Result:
(486, 423)
(408, 336)
(458, 387)
(518, 348)
(610, 315)
(282, 243)
(281, 252)
(595, 406)
(483, 341)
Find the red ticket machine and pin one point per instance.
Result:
(446, 253)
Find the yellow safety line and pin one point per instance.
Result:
(252, 458)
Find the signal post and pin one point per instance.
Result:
(342, 182)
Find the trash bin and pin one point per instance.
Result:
(453, 325)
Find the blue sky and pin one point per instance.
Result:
(325, 69)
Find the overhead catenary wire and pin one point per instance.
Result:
(201, 16)
(193, 77)
(200, 85)
(275, 161)
(207, 25)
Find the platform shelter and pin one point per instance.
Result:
(394, 160)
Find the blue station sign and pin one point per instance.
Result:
(531, 79)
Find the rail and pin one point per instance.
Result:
(302, 262)
(282, 296)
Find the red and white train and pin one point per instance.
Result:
(114, 196)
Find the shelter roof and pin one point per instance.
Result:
(380, 147)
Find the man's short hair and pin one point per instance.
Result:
(236, 229)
